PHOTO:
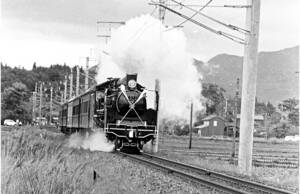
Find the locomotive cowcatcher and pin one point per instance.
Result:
(119, 108)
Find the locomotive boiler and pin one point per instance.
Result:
(118, 107)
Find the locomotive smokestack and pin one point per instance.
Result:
(129, 80)
(131, 77)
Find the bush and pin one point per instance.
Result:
(181, 130)
(283, 129)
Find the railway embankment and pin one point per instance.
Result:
(38, 161)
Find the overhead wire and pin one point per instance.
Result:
(214, 6)
(232, 27)
(218, 32)
(140, 31)
(209, 1)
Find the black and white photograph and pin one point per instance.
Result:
(149, 96)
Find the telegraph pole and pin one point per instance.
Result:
(110, 24)
(191, 126)
(161, 11)
(71, 84)
(157, 92)
(51, 103)
(77, 80)
(40, 108)
(34, 102)
(226, 107)
(249, 88)
(65, 94)
(235, 116)
(61, 97)
(86, 81)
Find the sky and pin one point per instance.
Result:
(64, 31)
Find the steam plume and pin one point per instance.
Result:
(94, 142)
(143, 46)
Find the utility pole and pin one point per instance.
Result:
(235, 116)
(109, 25)
(156, 140)
(65, 94)
(34, 103)
(71, 84)
(86, 81)
(161, 11)
(249, 88)
(61, 97)
(77, 80)
(40, 108)
(191, 126)
(51, 103)
(226, 107)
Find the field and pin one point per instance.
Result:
(40, 161)
(36, 160)
(176, 148)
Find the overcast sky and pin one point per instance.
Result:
(57, 31)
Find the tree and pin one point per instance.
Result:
(34, 66)
(215, 98)
(181, 130)
(294, 117)
(15, 100)
(270, 109)
(291, 106)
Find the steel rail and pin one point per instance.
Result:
(258, 160)
(287, 157)
(228, 153)
(227, 178)
(185, 175)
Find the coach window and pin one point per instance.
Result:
(100, 100)
(215, 123)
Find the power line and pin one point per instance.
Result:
(218, 32)
(140, 31)
(192, 15)
(214, 6)
(232, 27)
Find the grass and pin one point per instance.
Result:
(38, 161)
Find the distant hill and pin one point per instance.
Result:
(277, 77)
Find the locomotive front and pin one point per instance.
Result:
(129, 120)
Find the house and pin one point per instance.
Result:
(213, 125)
(259, 121)
(43, 121)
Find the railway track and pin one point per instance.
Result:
(207, 178)
(258, 160)
(287, 156)
(225, 148)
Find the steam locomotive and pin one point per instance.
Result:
(118, 107)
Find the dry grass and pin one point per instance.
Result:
(37, 161)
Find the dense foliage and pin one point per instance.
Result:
(17, 85)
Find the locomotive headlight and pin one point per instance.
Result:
(131, 83)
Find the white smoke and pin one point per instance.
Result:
(144, 46)
(94, 142)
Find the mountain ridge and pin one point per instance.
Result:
(276, 76)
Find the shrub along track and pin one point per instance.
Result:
(211, 179)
